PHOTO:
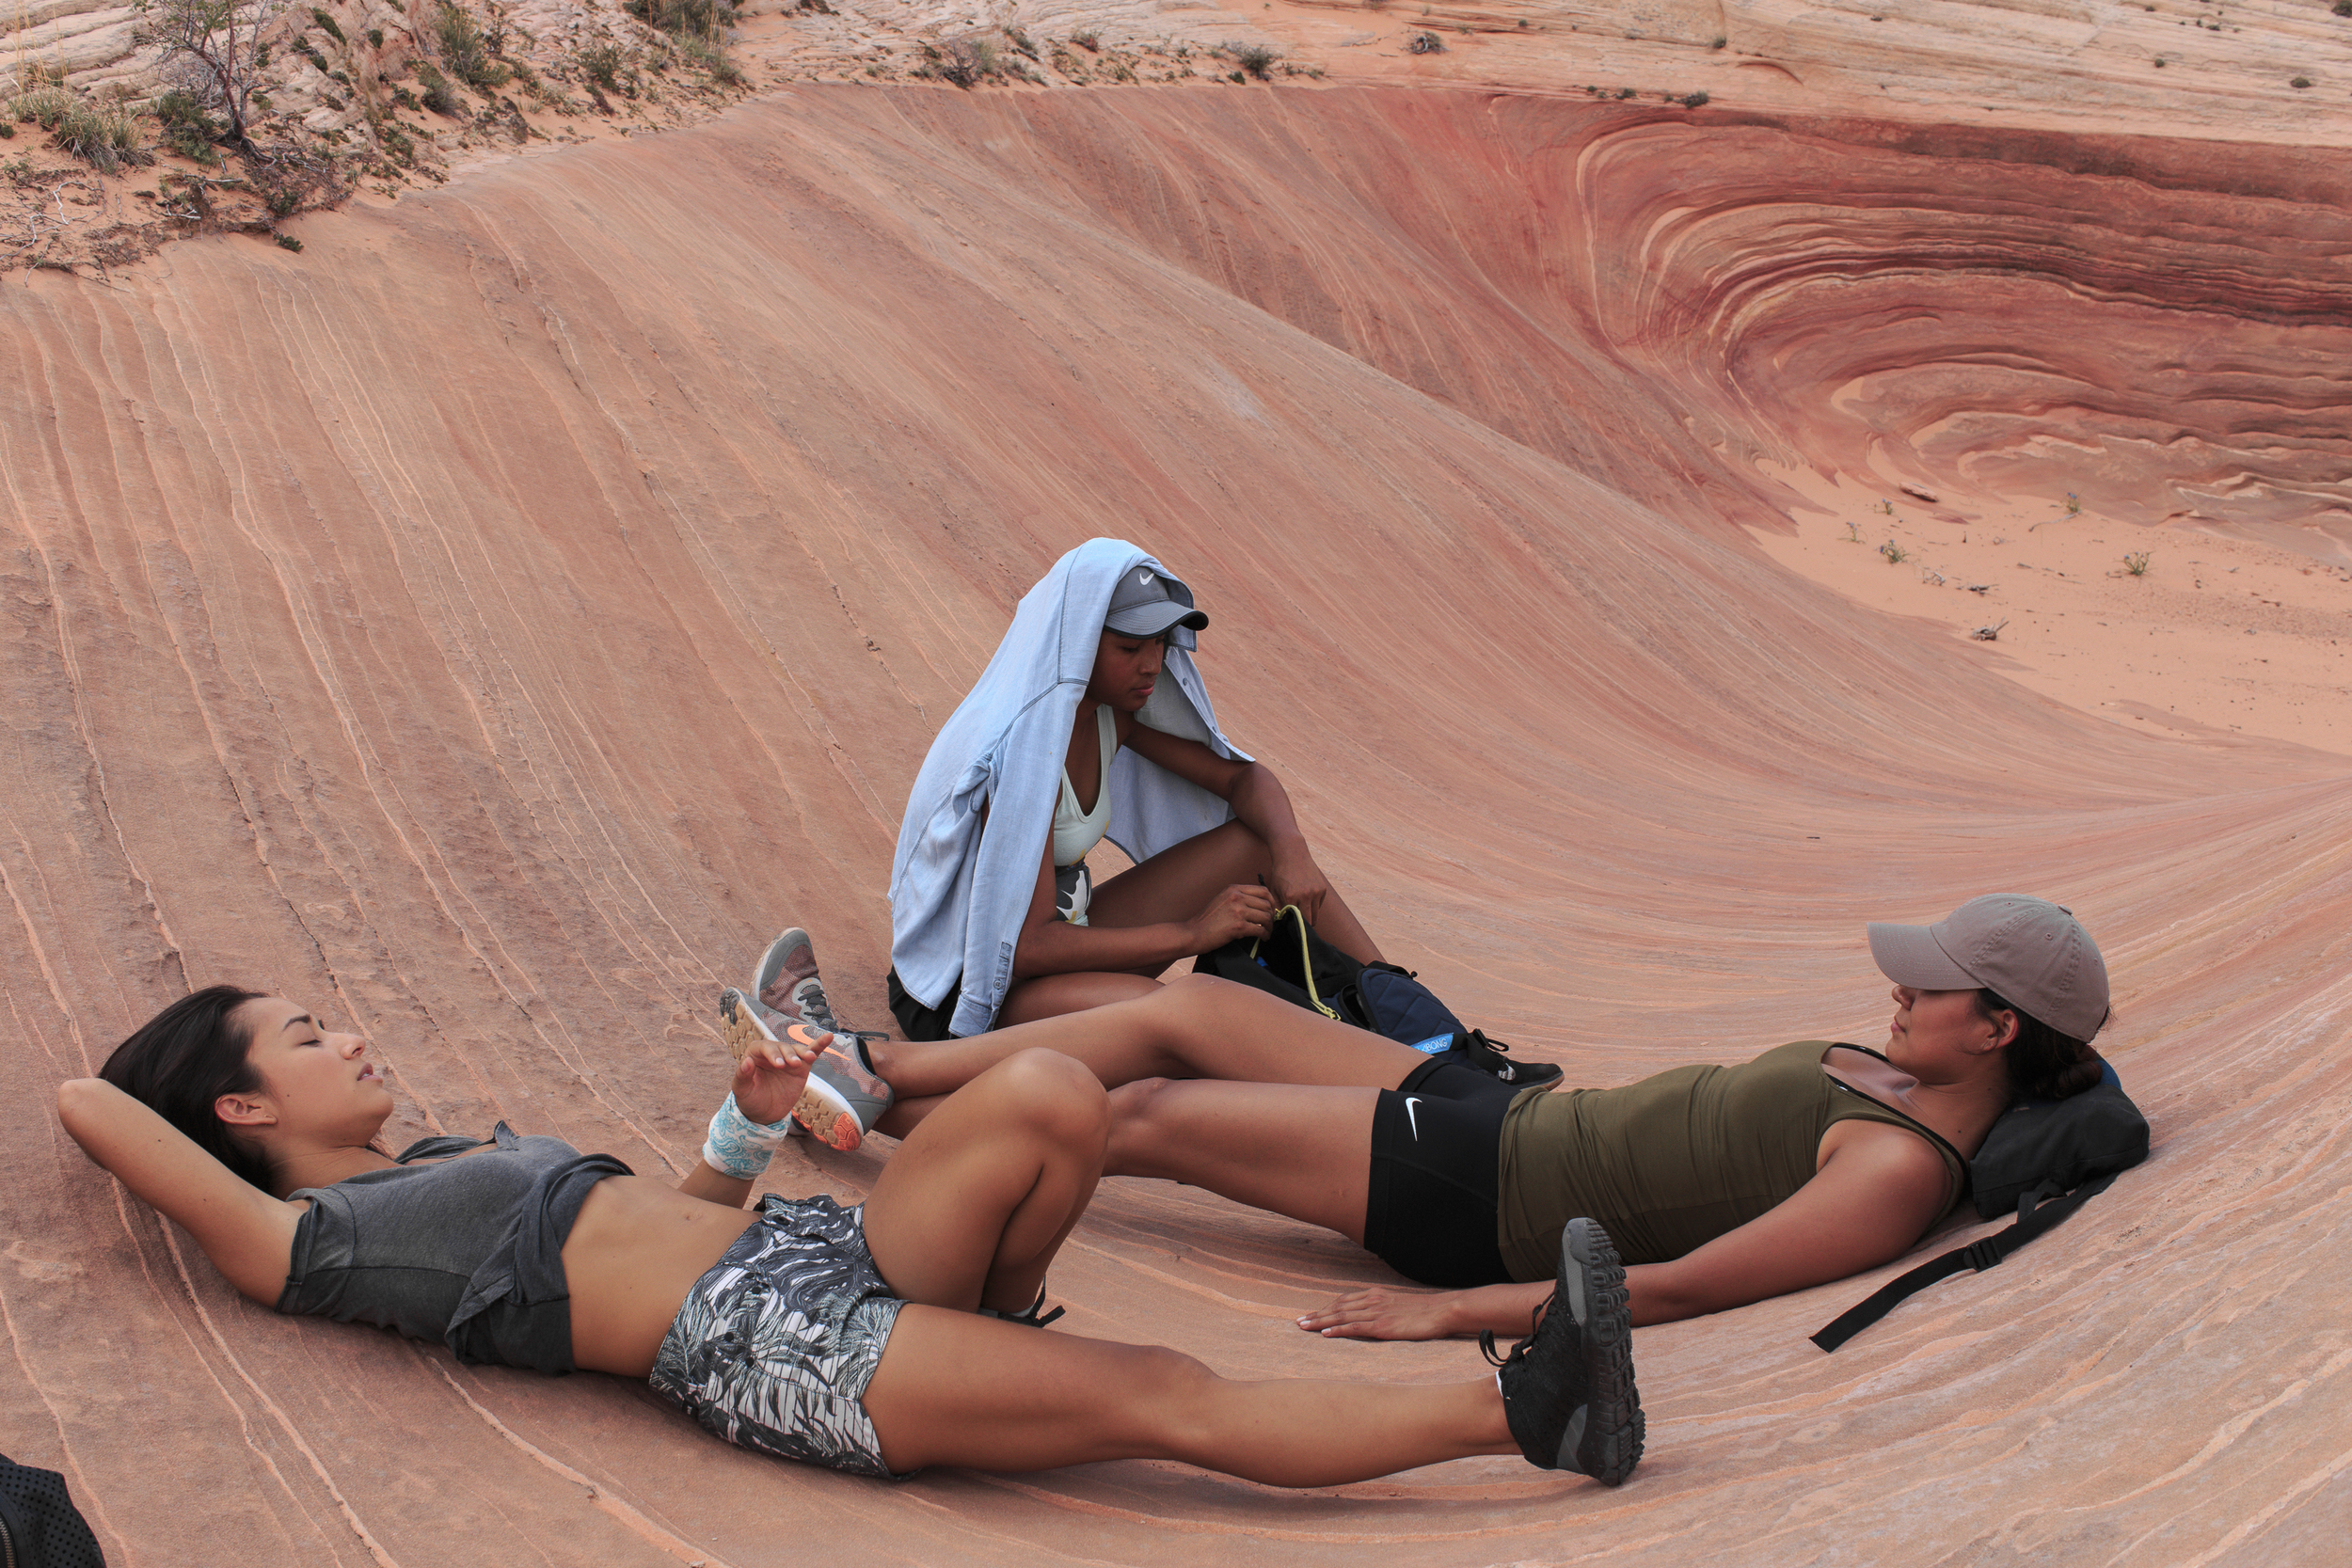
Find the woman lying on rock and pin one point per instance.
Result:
(1090, 720)
(1720, 1185)
(870, 1339)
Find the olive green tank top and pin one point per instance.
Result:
(1674, 1161)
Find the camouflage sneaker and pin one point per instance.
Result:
(787, 985)
(845, 1097)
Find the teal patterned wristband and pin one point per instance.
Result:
(740, 1146)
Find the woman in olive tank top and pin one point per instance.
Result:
(1720, 1185)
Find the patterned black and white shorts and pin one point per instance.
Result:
(776, 1345)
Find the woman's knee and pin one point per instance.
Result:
(1142, 1123)
(1055, 1097)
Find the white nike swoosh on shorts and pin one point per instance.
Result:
(1411, 1118)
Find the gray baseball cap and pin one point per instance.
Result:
(1146, 604)
(2035, 954)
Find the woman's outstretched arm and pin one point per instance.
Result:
(246, 1233)
(1877, 1191)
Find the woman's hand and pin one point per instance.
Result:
(1238, 912)
(1379, 1313)
(1296, 879)
(769, 1079)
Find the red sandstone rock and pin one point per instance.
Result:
(492, 624)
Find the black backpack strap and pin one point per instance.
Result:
(2038, 1210)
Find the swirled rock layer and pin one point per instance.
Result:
(493, 623)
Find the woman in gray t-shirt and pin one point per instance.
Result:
(869, 1338)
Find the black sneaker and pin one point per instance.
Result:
(1493, 1057)
(1567, 1388)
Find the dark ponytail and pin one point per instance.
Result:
(2042, 1062)
(184, 1058)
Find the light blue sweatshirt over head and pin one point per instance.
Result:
(958, 895)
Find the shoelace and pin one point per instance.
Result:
(1518, 1351)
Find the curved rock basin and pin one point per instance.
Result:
(492, 624)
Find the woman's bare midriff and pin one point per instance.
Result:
(637, 1248)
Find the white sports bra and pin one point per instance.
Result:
(1076, 831)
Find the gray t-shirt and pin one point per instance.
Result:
(469, 1252)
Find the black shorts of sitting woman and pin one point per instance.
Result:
(873, 1339)
(1720, 1185)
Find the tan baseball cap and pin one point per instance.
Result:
(2034, 952)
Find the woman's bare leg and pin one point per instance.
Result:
(1304, 1152)
(954, 1389)
(971, 1209)
(1175, 883)
(1053, 995)
(1193, 1027)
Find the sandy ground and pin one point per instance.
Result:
(2214, 633)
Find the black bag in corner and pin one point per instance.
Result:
(2043, 1160)
(39, 1527)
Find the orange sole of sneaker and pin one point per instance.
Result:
(828, 1123)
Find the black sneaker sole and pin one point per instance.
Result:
(1604, 1439)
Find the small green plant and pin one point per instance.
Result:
(1020, 39)
(1693, 100)
(681, 17)
(1718, 41)
(375, 37)
(1426, 43)
(603, 64)
(328, 25)
(287, 241)
(8, 129)
(1255, 58)
(435, 93)
(282, 202)
(188, 131)
(103, 139)
(1091, 41)
(2300, 81)
(2137, 564)
(2343, 7)
(2074, 505)
(710, 54)
(466, 52)
(43, 106)
(1625, 93)
(1886, 506)
(1853, 533)
(1896, 555)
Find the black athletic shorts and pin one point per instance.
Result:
(921, 1022)
(1430, 1211)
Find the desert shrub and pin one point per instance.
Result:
(1717, 42)
(465, 52)
(289, 241)
(710, 54)
(103, 139)
(1624, 93)
(187, 130)
(2137, 564)
(8, 129)
(43, 106)
(606, 67)
(967, 61)
(2300, 81)
(1426, 43)
(1255, 58)
(375, 37)
(2343, 7)
(1691, 100)
(681, 17)
(328, 25)
(1091, 41)
(435, 93)
(1020, 40)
